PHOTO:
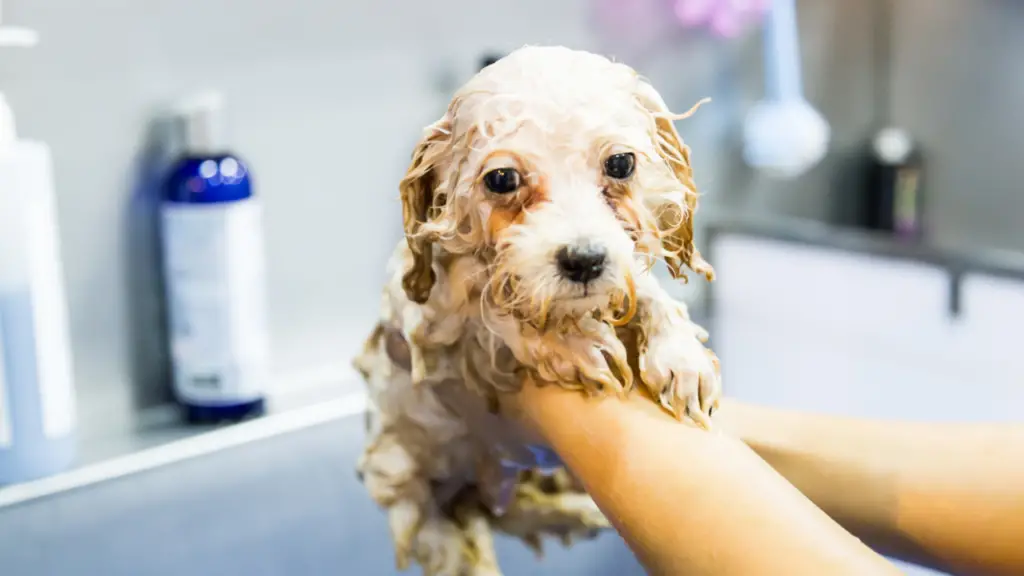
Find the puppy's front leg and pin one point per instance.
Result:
(678, 370)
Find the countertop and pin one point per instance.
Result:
(957, 259)
(158, 437)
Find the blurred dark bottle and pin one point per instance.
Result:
(894, 201)
(489, 59)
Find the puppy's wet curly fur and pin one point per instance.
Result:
(534, 211)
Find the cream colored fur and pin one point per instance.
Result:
(476, 307)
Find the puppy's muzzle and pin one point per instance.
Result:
(582, 263)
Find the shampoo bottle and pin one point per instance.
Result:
(37, 402)
(212, 238)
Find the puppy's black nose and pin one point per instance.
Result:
(581, 263)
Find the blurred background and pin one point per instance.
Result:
(821, 303)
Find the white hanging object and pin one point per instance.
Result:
(783, 134)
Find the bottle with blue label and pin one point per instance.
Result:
(37, 396)
(212, 237)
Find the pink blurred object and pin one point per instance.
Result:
(726, 18)
(631, 28)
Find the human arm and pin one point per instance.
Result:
(948, 496)
(688, 501)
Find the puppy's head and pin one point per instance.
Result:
(562, 169)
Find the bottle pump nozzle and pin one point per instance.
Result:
(12, 37)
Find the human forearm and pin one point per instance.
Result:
(949, 496)
(688, 501)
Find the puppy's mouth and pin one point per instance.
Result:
(583, 297)
(588, 291)
(610, 298)
(553, 301)
(592, 297)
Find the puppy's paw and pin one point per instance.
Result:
(593, 360)
(681, 373)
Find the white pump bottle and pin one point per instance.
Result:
(37, 404)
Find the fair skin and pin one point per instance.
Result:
(946, 496)
(949, 496)
(686, 501)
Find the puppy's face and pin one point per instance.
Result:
(556, 167)
(552, 189)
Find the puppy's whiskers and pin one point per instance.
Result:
(648, 259)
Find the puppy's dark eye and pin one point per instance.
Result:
(620, 166)
(502, 180)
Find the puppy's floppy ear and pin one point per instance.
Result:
(675, 219)
(419, 194)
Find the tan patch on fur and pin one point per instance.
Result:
(675, 221)
(502, 218)
(512, 210)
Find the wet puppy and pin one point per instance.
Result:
(534, 211)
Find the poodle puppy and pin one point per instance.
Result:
(534, 211)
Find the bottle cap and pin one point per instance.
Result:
(200, 120)
(892, 145)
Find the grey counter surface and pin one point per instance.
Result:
(956, 259)
(284, 506)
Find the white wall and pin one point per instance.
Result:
(325, 99)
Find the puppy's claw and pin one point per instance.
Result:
(682, 375)
(667, 398)
(534, 542)
(709, 395)
(693, 410)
